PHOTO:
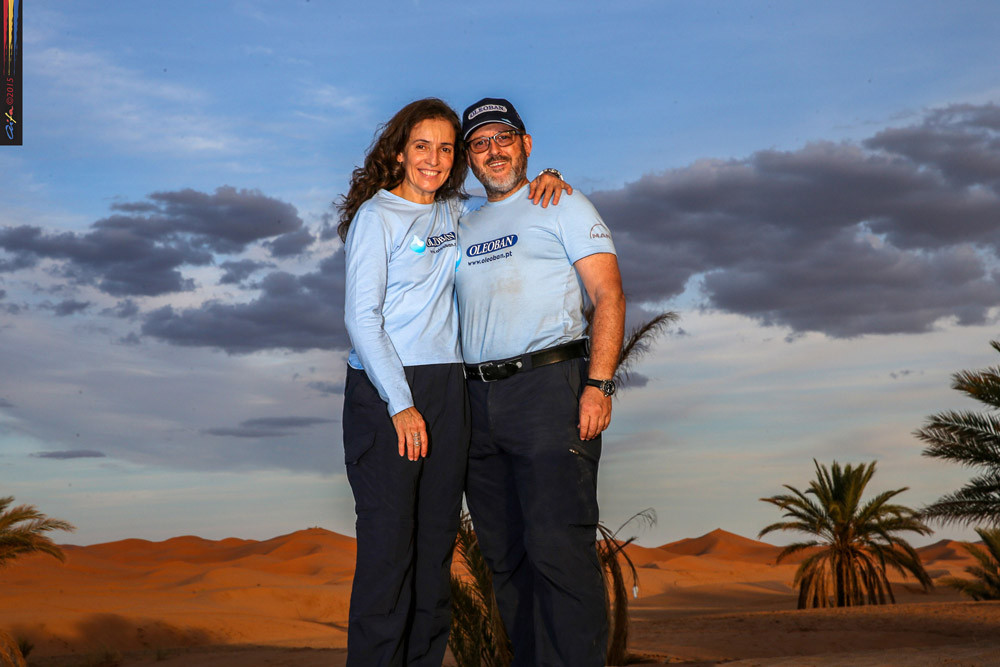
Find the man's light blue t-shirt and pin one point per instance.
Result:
(399, 304)
(516, 286)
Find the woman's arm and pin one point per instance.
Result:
(367, 251)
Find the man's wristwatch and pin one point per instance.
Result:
(607, 387)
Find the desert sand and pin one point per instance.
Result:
(716, 599)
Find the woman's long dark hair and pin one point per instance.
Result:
(382, 170)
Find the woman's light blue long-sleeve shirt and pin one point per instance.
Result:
(399, 304)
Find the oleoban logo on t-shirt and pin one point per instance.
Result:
(491, 246)
(599, 231)
(435, 241)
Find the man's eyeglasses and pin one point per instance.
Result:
(502, 139)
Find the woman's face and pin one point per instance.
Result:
(426, 159)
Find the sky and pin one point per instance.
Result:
(813, 187)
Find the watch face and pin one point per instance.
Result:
(607, 387)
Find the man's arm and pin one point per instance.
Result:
(603, 282)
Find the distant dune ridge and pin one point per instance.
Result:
(715, 597)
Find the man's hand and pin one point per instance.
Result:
(595, 412)
(547, 188)
(411, 432)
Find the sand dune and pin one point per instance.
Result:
(192, 601)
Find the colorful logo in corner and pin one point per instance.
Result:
(12, 73)
(417, 245)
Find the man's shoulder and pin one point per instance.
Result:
(575, 204)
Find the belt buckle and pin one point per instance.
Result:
(482, 373)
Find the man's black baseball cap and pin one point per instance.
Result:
(490, 110)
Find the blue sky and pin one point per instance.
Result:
(815, 188)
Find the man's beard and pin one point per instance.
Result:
(498, 186)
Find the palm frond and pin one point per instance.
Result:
(22, 531)
(638, 341)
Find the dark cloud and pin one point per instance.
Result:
(634, 380)
(328, 227)
(125, 309)
(286, 422)
(235, 272)
(268, 427)
(327, 388)
(4, 403)
(140, 250)
(884, 237)
(290, 244)
(226, 221)
(66, 307)
(246, 432)
(70, 454)
(292, 312)
(119, 262)
(131, 340)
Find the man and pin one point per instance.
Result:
(540, 395)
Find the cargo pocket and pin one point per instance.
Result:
(357, 445)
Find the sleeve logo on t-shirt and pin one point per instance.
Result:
(491, 246)
(599, 231)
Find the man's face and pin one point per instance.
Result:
(501, 169)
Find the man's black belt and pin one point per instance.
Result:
(491, 371)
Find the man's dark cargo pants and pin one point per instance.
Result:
(532, 492)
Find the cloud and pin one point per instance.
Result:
(889, 236)
(70, 454)
(235, 272)
(67, 307)
(291, 244)
(125, 309)
(268, 427)
(225, 221)
(634, 380)
(4, 403)
(134, 110)
(327, 388)
(292, 312)
(141, 249)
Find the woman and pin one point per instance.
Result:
(406, 415)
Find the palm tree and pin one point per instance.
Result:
(10, 652)
(854, 541)
(986, 584)
(611, 552)
(22, 531)
(971, 439)
(478, 637)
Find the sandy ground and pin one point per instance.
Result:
(716, 599)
